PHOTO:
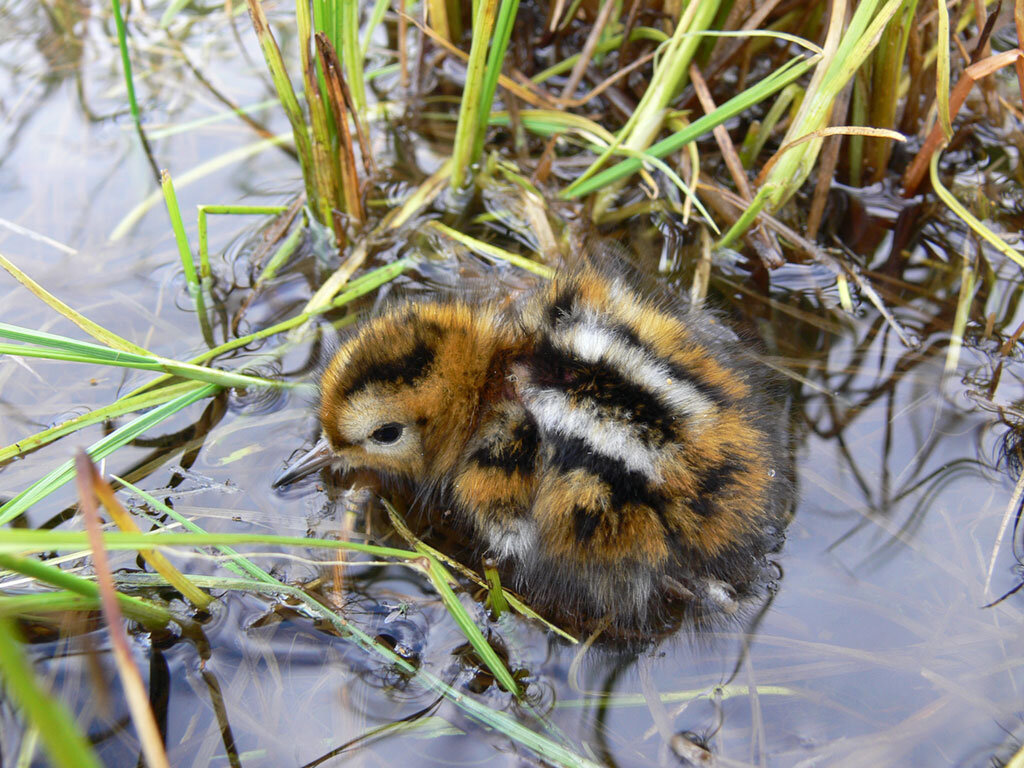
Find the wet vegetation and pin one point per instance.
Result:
(843, 180)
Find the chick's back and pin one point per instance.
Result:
(656, 454)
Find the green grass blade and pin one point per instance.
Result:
(439, 577)
(71, 346)
(99, 450)
(205, 271)
(470, 116)
(492, 251)
(126, 63)
(65, 744)
(53, 347)
(970, 219)
(143, 611)
(285, 92)
(121, 406)
(350, 51)
(495, 56)
(778, 80)
(135, 215)
(380, 7)
(355, 289)
(188, 263)
(237, 564)
(42, 603)
(98, 332)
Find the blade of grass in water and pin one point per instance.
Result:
(285, 92)
(188, 264)
(129, 83)
(205, 272)
(970, 219)
(42, 603)
(355, 289)
(18, 540)
(98, 332)
(132, 687)
(125, 434)
(65, 744)
(134, 216)
(102, 491)
(145, 612)
(325, 159)
(546, 748)
(440, 578)
(120, 407)
(350, 54)
(493, 251)
(52, 347)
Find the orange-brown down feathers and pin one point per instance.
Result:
(614, 452)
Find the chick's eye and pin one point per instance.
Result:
(387, 433)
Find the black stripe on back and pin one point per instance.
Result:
(404, 370)
(562, 305)
(710, 391)
(517, 453)
(585, 523)
(607, 388)
(711, 481)
(627, 486)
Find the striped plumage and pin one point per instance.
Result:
(616, 452)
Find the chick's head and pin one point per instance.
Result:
(399, 397)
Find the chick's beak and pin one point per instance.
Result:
(318, 457)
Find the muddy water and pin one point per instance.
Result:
(875, 650)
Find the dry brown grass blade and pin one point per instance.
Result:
(101, 488)
(834, 130)
(131, 680)
(606, 84)
(919, 166)
(340, 108)
(580, 67)
(769, 250)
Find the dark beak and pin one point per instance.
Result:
(318, 457)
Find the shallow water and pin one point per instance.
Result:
(876, 649)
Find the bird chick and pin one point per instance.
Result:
(614, 451)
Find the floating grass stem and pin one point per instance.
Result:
(205, 271)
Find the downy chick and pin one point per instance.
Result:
(615, 452)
